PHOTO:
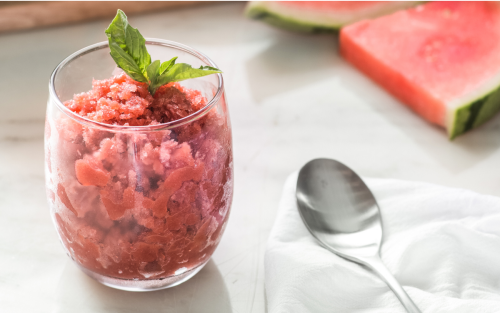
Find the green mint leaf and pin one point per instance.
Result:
(179, 72)
(117, 28)
(209, 68)
(128, 46)
(183, 71)
(126, 63)
(136, 46)
(167, 65)
(153, 74)
(128, 49)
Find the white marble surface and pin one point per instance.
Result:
(292, 98)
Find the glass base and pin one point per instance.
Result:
(146, 284)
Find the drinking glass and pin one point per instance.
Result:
(138, 207)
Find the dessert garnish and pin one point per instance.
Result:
(128, 49)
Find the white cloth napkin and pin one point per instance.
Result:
(441, 244)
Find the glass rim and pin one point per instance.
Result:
(164, 126)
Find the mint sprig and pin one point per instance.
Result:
(128, 49)
(167, 72)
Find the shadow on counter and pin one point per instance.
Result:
(290, 62)
(473, 146)
(205, 292)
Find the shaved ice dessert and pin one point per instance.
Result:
(140, 205)
(139, 179)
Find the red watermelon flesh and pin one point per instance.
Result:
(442, 59)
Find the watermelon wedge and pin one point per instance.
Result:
(442, 59)
(320, 16)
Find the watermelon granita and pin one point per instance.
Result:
(136, 205)
(320, 16)
(139, 205)
(139, 170)
(442, 59)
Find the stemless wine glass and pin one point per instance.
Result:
(138, 207)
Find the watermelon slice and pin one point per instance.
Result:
(320, 16)
(442, 59)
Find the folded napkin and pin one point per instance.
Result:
(441, 244)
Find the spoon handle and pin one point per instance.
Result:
(375, 263)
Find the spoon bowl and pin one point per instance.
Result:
(344, 217)
(340, 211)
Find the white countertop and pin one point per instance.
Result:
(292, 98)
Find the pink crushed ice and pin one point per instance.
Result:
(140, 205)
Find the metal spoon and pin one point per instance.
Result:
(341, 212)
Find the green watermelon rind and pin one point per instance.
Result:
(260, 12)
(269, 13)
(475, 113)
